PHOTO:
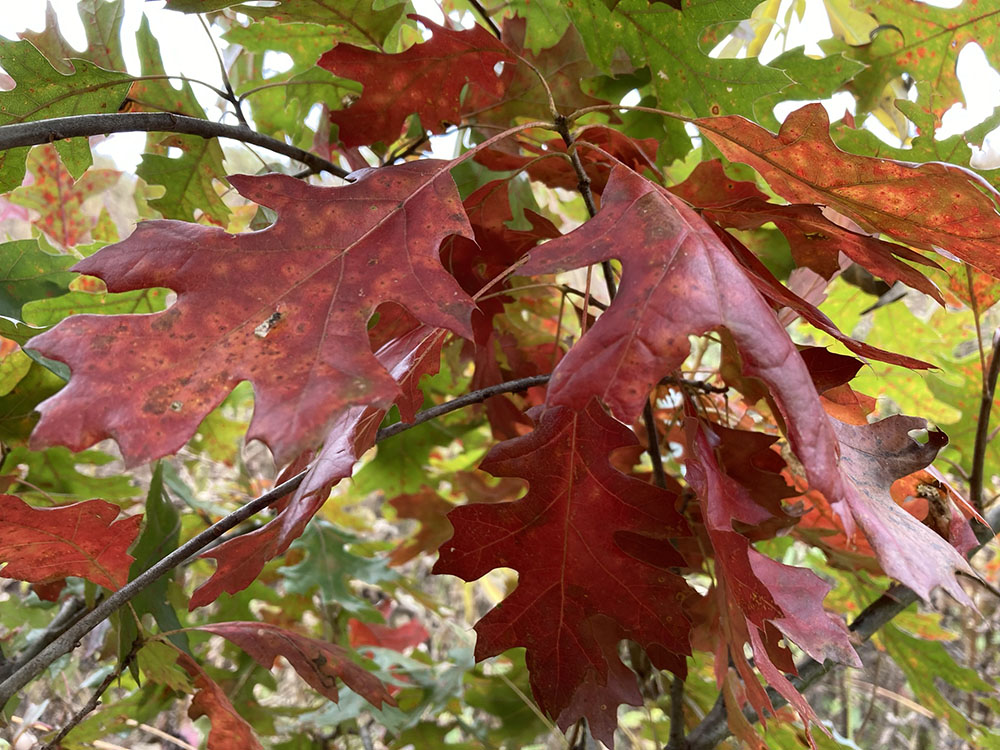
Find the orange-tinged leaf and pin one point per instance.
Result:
(230, 731)
(579, 591)
(928, 206)
(285, 308)
(317, 662)
(41, 545)
(426, 79)
(398, 638)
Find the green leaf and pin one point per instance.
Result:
(189, 178)
(350, 20)
(814, 78)
(924, 662)
(17, 408)
(48, 312)
(158, 662)
(29, 273)
(674, 44)
(159, 537)
(13, 367)
(329, 567)
(102, 23)
(42, 92)
(55, 473)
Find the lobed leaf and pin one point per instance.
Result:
(285, 308)
(41, 545)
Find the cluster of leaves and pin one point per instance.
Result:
(675, 449)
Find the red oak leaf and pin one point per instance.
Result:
(782, 296)
(398, 638)
(426, 79)
(708, 186)
(756, 591)
(241, 559)
(41, 545)
(285, 308)
(579, 593)
(229, 731)
(816, 242)
(317, 662)
(677, 280)
(926, 206)
(873, 456)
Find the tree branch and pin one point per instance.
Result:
(59, 128)
(27, 671)
(983, 426)
(714, 728)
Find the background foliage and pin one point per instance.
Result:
(733, 489)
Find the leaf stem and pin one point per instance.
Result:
(59, 128)
(26, 671)
(483, 14)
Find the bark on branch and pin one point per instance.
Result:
(60, 128)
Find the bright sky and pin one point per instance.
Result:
(196, 58)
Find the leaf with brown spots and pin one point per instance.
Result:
(927, 206)
(286, 308)
(426, 79)
(41, 545)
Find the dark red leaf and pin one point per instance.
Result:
(426, 79)
(578, 592)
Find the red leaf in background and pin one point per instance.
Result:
(563, 66)
(639, 155)
(286, 308)
(42, 545)
(317, 662)
(58, 198)
(241, 559)
(399, 638)
(426, 79)
(431, 510)
(873, 456)
(926, 206)
(708, 186)
(229, 731)
(579, 593)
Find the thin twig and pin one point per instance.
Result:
(59, 128)
(94, 699)
(27, 670)
(653, 449)
(983, 425)
(230, 94)
(483, 14)
(583, 185)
